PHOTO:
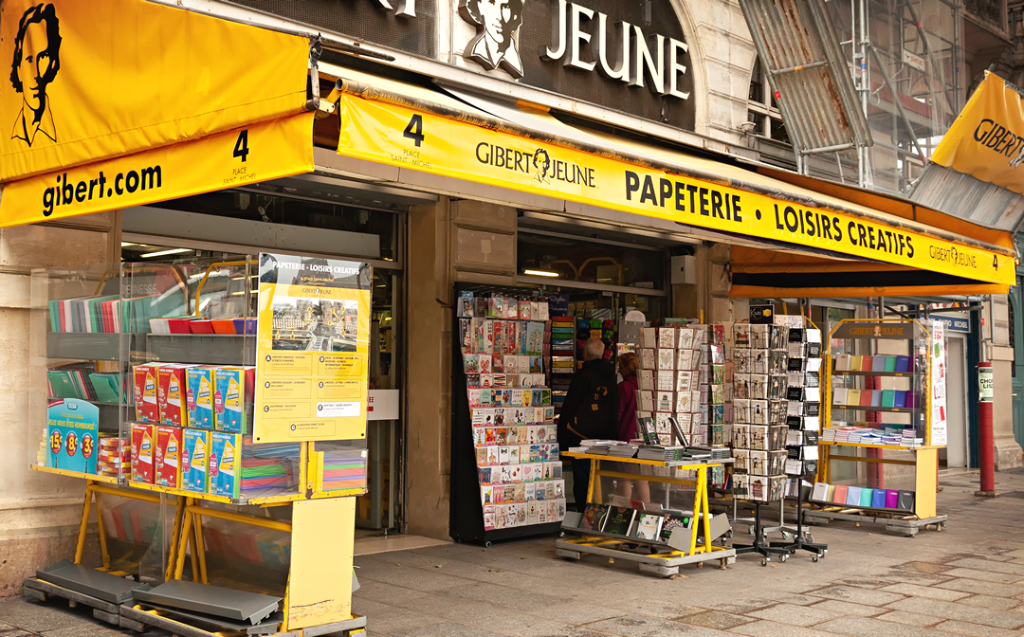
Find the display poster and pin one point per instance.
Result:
(72, 434)
(938, 389)
(312, 349)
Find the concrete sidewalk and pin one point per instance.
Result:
(968, 580)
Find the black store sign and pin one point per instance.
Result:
(625, 55)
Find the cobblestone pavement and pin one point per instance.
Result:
(967, 580)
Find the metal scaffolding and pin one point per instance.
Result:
(906, 59)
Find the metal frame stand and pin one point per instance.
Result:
(817, 551)
(761, 546)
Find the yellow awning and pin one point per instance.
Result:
(526, 149)
(127, 102)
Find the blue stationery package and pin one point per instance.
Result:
(878, 499)
(195, 460)
(72, 435)
(225, 464)
(229, 399)
(199, 382)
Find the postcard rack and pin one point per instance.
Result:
(885, 407)
(656, 557)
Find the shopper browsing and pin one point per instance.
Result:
(590, 412)
(628, 366)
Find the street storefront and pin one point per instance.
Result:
(304, 238)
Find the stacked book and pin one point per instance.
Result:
(623, 450)
(268, 466)
(82, 381)
(344, 469)
(563, 358)
(112, 314)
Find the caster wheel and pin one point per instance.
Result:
(814, 558)
(487, 545)
(786, 536)
(764, 562)
(783, 557)
(700, 564)
(561, 534)
(820, 555)
(810, 539)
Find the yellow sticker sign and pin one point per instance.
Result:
(261, 152)
(404, 137)
(88, 81)
(312, 352)
(987, 138)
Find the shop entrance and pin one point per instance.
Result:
(311, 221)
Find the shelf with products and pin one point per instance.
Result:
(886, 362)
(151, 396)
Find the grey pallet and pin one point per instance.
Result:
(211, 600)
(42, 591)
(89, 581)
(908, 527)
(663, 566)
(182, 629)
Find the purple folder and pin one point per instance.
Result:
(892, 499)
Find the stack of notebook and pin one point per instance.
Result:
(344, 469)
(82, 381)
(269, 466)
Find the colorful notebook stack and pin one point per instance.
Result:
(81, 380)
(269, 466)
(343, 469)
(112, 314)
(562, 363)
(862, 497)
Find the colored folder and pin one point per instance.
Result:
(878, 498)
(903, 364)
(888, 398)
(890, 363)
(892, 499)
(853, 496)
(866, 496)
(842, 490)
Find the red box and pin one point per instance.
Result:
(143, 444)
(171, 395)
(144, 385)
(168, 456)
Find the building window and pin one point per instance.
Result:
(762, 109)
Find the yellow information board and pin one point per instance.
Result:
(312, 349)
(408, 138)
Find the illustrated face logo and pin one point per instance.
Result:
(34, 67)
(497, 33)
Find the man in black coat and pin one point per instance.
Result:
(590, 412)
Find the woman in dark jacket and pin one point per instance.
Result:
(628, 388)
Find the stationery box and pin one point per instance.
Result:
(878, 498)
(196, 446)
(234, 386)
(168, 457)
(171, 395)
(199, 397)
(892, 499)
(72, 435)
(144, 386)
(142, 452)
(225, 464)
